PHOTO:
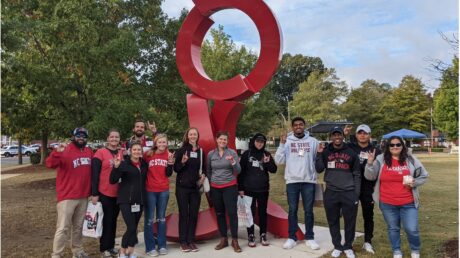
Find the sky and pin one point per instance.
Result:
(380, 40)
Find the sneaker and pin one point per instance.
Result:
(263, 239)
(251, 241)
(114, 252)
(397, 256)
(81, 254)
(289, 244)
(185, 248)
(414, 255)
(106, 254)
(163, 251)
(122, 256)
(349, 253)
(193, 247)
(132, 256)
(336, 253)
(152, 253)
(312, 244)
(368, 247)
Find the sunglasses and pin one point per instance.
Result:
(395, 145)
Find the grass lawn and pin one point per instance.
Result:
(438, 214)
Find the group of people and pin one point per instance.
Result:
(134, 176)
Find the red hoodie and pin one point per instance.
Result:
(73, 180)
(157, 181)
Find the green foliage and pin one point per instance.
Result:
(407, 106)
(294, 69)
(446, 102)
(363, 104)
(35, 158)
(319, 97)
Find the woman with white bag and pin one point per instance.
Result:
(130, 175)
(105, 193)
(189, 166)
(253, 181)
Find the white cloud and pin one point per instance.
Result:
(381, 40)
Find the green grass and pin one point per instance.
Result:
(438, 214)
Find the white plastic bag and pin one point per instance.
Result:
(244, 211)
(92, 225)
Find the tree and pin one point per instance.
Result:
(446, 101)
(319, 97)
(408, 106)
(363, 104)
(294, 69)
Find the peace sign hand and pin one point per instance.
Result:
(117, 161)
(170, 158)
(61, 147)
(231, 159)
(283, 139)
(370, 157)
(266, 158)
(321, 147)
(184, 158)
(152, 127)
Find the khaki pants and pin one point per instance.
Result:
(70, 217)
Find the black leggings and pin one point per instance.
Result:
(224, 201)
(109, 222)
(262, 199)
(188, 201)
(131, 220)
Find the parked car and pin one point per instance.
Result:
(10, 151)
(36, 147)
(415, 145)
(54, 145)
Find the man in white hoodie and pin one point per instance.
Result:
(298, 152)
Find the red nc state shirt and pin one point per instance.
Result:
(106, 158)
(392, 190)
(73, 179)
(157, 181)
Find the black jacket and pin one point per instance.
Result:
(366, 185)
(132, 184)
(188, 173)
(342, 169)
(254, 172)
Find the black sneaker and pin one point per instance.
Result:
(263, 239)
(251, 241)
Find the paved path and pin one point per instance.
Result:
(275, 250)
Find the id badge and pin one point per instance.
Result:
(331, 164)
(135, 208)
(363, 155)
(149, 143)
(301, 152)
(193, 154)
(255, 163)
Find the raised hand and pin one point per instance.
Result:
(61, 147)
(117, 161)
(170, 158)
(266, 158)
(184, 158)
(370, 157)
(321, 147)
(283, 138)
(152, 127)
(230, 158)
(347, 130)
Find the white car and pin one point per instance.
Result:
(415, 145)
(10, 151)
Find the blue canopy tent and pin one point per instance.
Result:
(405, 134)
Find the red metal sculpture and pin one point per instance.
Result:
(225, 94)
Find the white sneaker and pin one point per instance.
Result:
(349, 253)
(163, 251)
(152, 253)
(414, 255)
(336, 253)
(397, 256)
(289, 244)
(368, 247)
(312, 244)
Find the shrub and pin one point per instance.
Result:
(35, 158)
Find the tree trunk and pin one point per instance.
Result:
(20, 151)
(44, 148)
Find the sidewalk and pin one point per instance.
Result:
(275, 250)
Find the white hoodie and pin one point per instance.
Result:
(299, 168)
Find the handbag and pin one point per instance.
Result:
(92, 225)
(244, 211)
(204, 187)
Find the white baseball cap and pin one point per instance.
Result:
(364, 128)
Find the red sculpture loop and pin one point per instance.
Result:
(226, 110)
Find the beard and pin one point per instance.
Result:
(80, 145)
(139, 133)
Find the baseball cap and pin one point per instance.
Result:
(80, 131)
(364, 128)
(260, 138)
(336, 129)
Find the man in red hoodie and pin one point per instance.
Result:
(73, 187)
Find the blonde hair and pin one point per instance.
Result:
(155, 140)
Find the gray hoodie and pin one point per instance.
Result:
(299, 156)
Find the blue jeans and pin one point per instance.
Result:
(307, 190)
(408, 215)
(158, 201)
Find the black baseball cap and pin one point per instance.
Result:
(80, 131)
(336, 129)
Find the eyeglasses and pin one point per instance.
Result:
(395, 145)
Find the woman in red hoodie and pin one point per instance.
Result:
(160, 163)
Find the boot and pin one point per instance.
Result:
(223, 243)
(236, 246)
